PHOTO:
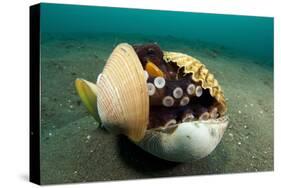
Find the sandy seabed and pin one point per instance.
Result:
(74, 149)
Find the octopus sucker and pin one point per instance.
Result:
(164, 102)
(198, 91)
(188, 117)
(168, 101)
(190, 89)
(214, 112)
(204, 116)
(159, 82)
(178, 92)
(146, 75)
(151, 89)
(184, 101)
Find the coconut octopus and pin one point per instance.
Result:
(173, 95)
(168, 103)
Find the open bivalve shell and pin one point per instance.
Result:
(199, 73)
(122, 94)
(166, 102)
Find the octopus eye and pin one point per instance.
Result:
(153, 70)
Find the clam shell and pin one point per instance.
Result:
(187, 142)
(88, 94)
(122, 94)
(199, 73)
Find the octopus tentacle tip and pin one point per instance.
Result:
(184, 101)
(190, 89)
(159, 82)
(168, 101)
(151, 89)
(178, 92)
(198, 91)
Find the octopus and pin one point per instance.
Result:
(174, 97)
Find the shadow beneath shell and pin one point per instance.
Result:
(140, 160)
(147, 164)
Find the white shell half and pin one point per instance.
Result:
(189, 141)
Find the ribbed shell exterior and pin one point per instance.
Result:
(199, 73)
(123, 102)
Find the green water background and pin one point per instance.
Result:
(246, 34)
